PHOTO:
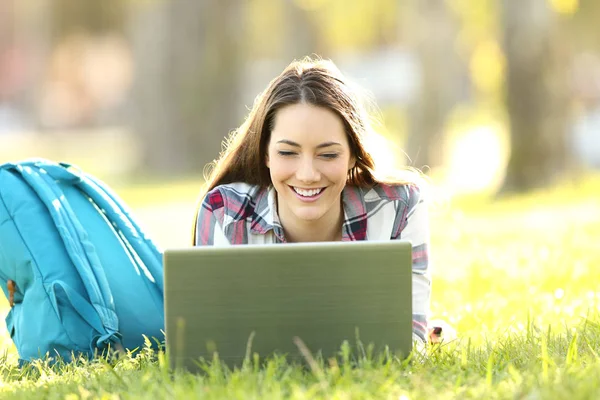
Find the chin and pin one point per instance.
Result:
(308, 216)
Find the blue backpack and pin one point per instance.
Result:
(78, 272)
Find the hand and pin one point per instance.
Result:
(435, 335)
(440, 331)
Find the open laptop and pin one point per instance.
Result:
(250, 299)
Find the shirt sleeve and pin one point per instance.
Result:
(209, 226)
(412, 224)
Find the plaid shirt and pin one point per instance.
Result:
(239, 213)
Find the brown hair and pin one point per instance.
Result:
(313, 81)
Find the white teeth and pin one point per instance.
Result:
(307, 193)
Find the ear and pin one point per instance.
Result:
(351, 162)
(267, 161)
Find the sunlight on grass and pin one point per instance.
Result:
(517, 277)
(500, 265)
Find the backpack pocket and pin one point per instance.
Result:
(36, 328)
(10, 323)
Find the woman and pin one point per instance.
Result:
(297, 171)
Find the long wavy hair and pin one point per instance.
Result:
(312, 81)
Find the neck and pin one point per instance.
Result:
(328, 228)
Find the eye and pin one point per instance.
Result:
(285, 153)
(330, 156)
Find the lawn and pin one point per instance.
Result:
(519, 278)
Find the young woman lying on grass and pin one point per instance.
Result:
(297, 171)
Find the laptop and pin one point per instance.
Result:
(278, 298)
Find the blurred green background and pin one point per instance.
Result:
(487, 97)
(482, 95)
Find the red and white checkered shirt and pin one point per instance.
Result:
(240, 213)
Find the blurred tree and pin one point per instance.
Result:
(298, 32)
(584, 27)
(32, 33)
(93, 17)
(536, 94)
(263, 18)
(355, 26)
(189, 58)
(434, 29)
(302, 32)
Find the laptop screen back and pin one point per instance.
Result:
(217, 298)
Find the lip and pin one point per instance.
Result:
(305, 199)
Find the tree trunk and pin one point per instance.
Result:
(434, 31)
(301, 36)
(189, 59)
(536, 95)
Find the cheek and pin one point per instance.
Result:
(335, 172)
(280, 169)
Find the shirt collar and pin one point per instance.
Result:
(353, 202)
(266, 214)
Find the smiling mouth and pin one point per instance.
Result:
(308, 193)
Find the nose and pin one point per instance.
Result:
(307, 172)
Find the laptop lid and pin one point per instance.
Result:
(217, 298)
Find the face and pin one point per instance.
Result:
(308, 157)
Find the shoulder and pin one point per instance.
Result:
(404, 202)
(236, 199)
(408, 194)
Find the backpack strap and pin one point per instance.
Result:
(150, 257)
(80, 250)
(118, 214)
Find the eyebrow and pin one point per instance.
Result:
(322, 145)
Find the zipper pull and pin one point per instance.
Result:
(10, 284)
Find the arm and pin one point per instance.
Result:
(209, 226)
(412, 224)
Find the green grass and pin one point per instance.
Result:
(519, 278)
